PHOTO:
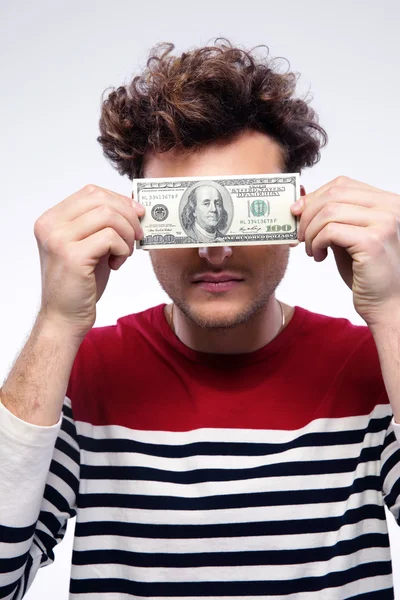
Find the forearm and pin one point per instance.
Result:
(35, 388)
(387, 341)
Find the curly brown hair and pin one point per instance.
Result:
(207, 94)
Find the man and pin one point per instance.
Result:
(226, 444)
(204, 215)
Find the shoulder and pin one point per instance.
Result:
(109, 348)
(345, 354)
(337, 336)
(109, 362)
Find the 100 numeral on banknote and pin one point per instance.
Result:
(238, 210)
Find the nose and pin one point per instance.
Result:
(215, 255)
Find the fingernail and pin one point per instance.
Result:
(299, 203)
(138, 207)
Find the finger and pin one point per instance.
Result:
(90, 196)
(72, 206)
(113, 229)
(101, 218)
(333, 194)
(343, 181)
(369, 199)
(342, 213)
(336, 184)
(350, 237)
(105, 242)
(140, 209)
(87, 199)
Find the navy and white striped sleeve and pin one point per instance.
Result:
(390, 469)
(39, 480)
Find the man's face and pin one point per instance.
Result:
(208, 207)
(254, 271)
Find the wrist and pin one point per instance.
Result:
(384, 328)
(58, 328)
(384, 320)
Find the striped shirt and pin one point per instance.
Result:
(195, 475)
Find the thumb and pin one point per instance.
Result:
(140, 209)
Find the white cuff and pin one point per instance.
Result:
(25, 433)
(396, 429)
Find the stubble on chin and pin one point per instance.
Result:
(220, 321)
(208, 316)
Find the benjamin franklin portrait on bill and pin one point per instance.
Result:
(204, 217)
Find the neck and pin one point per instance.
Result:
(261, 329)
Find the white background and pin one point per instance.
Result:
(56, 58)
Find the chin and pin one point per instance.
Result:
(223, 316)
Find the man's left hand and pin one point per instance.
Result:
(362, 226)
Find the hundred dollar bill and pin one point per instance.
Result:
(237, 210)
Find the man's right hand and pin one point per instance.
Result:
(80, 240)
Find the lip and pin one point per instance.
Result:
(219, 286)
(217, 282)
(216, 277)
